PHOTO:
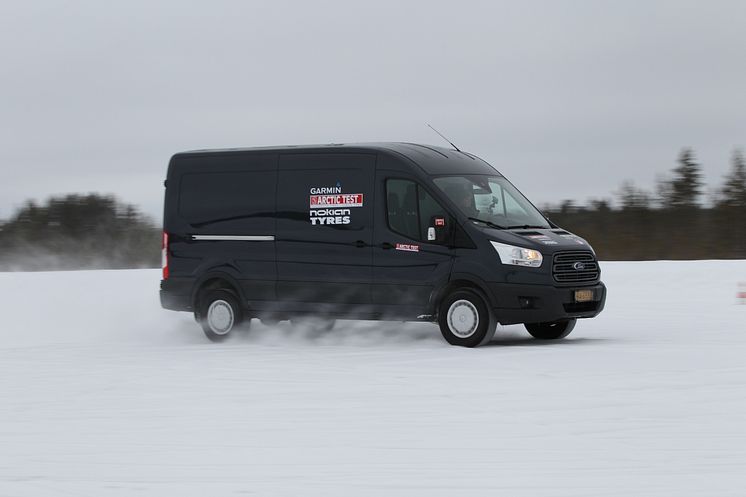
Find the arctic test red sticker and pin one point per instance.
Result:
(340, 200)
(407, 247)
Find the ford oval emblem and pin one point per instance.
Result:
(578, 266)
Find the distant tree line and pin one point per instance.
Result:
(78, 232)
(672, 222)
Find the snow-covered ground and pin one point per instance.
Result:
(103, 393)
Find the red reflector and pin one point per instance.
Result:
(164, 255)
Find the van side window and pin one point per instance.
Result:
(241, 200)
(411, 210)
(431, 215)
(401, 204)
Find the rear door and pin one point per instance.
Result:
(408, 265)
(324, 229)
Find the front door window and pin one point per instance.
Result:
(412, 212)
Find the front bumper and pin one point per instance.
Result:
(514, 304)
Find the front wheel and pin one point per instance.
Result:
(550, 331)
(219, 314)
(465, 319)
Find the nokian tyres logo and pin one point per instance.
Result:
(330, 205)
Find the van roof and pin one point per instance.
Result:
(432, 159)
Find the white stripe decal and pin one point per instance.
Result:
(236, 238)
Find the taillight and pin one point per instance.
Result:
(164, 255)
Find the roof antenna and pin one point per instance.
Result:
(446, 139)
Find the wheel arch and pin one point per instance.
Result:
(214, 280)
(462, 282)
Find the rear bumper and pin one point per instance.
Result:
(514, 304)
(176, 294)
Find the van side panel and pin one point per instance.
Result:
(220, 217)
(324, 230)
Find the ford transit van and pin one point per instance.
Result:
(387, 231)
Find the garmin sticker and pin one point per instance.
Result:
(329, 205)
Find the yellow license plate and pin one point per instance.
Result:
(583, 295)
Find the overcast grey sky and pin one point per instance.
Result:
(567, 99)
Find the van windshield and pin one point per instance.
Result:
(492, 200)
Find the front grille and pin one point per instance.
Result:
(574, 267)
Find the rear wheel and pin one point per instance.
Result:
(551, 331)
(465, 319)
(219, 314)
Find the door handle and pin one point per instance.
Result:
(386, 246)
(360, 244)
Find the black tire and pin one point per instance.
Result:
(219, 314)
(550, 331)
(465, 320)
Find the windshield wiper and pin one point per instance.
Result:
(488, 223)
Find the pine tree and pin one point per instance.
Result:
(630, 197)
(685, 188)
(733, 193)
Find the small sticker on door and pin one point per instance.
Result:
(407, 247)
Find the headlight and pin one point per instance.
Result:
(518, 256)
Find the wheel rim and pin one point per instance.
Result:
(463, 318)
(220, 317)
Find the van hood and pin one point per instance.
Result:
(546, 241)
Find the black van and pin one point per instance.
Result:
(393, 231)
